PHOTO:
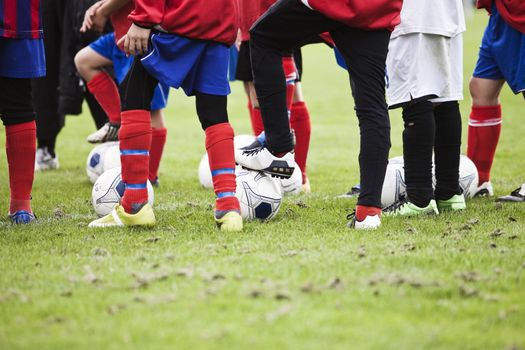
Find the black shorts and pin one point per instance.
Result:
(244, 64)
(16, 105)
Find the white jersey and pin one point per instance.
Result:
(440, 17)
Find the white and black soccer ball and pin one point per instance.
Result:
(95, 160)
(293, 185)
(468, 177)
(112, 158)
(108, 191)
(394, 187)
(205, 178)
(259, 195)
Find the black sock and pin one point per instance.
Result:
(447, 149)
(49, 144)
(418, 143)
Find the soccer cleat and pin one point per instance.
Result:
(119, 218)
(371, 222)
(516, 196)
(454, 203)
(22, 217)
(484, 190)
(261, 159)
(45, 161)
(306, 188)
(107, 133)
(354, 192)
(230, 221)
(155, 183)
(405, 208)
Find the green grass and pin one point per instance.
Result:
(301, 281)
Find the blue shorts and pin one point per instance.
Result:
(22, 58)
(106, 46)
(502, 54)
(193, 65)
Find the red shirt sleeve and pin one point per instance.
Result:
(148, 13)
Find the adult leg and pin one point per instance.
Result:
(484, 125)
(284, 26)
(17, 114)
(447, 149)
(365, 54)
(418, 144)
(45, 90)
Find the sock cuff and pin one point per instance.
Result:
(299, 104)
(159, 132)
(99, 79)
(485, 113)
(136, 116)
(217, 133)
(16, 128)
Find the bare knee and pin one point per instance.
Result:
(157, 119)
(485, 92)
(89, 63)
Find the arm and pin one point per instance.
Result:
(97, 15)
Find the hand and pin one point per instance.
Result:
(88, 16)
(136, 41)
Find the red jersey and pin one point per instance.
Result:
(213, 20)
(363, 14)
(249, 12)
(20, 19)
(120, 21)
(513, 12)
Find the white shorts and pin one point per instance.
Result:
(421, 65)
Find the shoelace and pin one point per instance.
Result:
(397, 205)
(351, 216)
(516, 193)
(253, 152)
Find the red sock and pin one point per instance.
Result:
(219, 145)
(362, 212)
(300, 123)
(135, 143)
(256, 119)
(483, 136)
(158, 140)
(290, 72)
(103, 87)
(20, 149)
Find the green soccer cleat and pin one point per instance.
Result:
(229, 222)
(119, 218)
(404, 208)
(454, 203)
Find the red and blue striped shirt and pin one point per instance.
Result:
(20, 19)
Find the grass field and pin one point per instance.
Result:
(301, 281)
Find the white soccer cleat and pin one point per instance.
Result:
(516, 196)
(45, 161)
(371, 222)
(484, 190)
(107, 133)
(261, 159)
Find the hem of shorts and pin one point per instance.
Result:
(24, 74)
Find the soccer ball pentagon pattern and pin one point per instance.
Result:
(259, 194)
(95, 160)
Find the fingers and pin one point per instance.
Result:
(145, 45)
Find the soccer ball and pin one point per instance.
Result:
(205, 178)
(108, 191)
(95, 160)
(468, 177)
(259, 194)
(293, 185)
(394, 187)
(112, 158)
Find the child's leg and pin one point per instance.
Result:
(17, 114)
(300, 123)
(418, 143)
(447, 149)
(158, 140)
(213, 116)
(135, 135)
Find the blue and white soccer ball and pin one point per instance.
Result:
(108, 191)
(260, 195)
(293, 185)
(112, 158)
(95, 160)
